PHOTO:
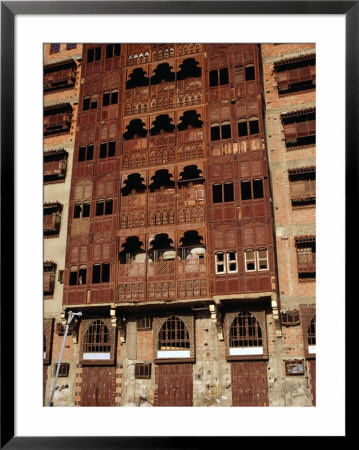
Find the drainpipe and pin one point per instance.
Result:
(70, 316)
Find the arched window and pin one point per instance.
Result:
(173, 335)
(245, 331)
(97, 338)
(311, 332)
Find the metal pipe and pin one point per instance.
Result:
(70, 316)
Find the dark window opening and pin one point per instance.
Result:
(111, 148)
(105, 272)
(133, 184)
(299, 128)
(253, 127)
(242, 129)
(86, 104)
(86, 209)
(108, 206)
(228, 192)
(296, 74)
(99, 208)
(162, 122)
(114, 97)
(77, 211)
(131, 248)
(137, 79)
(82, 153)
(55, 165)
(190, 174)
(188, 69)
(290, 318)
(135, 128)
(217, 193)
(161, 179)
(96, 273)
(90, 55)
(250, 73)
(103, 150)
(223, 76)
(213, 78)
(190, 118)
(163, 72)
(226, 131)
(113, 49)
(106, 99)
(97, 53)
(70, 46)
(215, 133)
(246, 190)
(77, 276)
(257, 188)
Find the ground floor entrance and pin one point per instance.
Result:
(249, 383)
(98, 386)
(312, 369)
(175, 385)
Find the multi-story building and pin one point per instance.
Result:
(289, 86)
(170, 251)
(62, 75)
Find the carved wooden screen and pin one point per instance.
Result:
(308, 321)
(47, 338)
(295, 74)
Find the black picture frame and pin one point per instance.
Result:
(9, 10)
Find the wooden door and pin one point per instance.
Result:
(44, 384)
(249, 383)
(98, 386)
(312, 369)
(175, 385)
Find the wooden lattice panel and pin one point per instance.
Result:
(111, 342)
(131, 292)
(159, 291)
(47, 336)
(260, 317)
(307, 313)
(188, 321)
(193, 288)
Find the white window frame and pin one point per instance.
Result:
(250, 260)
(229, 261)
(217, 263)
(261, 259)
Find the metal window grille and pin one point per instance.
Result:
(142, 371)
(245, 331)
(173, 335)
(311, 332)
(64, 369)
(97, 339)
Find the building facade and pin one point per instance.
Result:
(171, 240)
(62, 76)
(289, 83)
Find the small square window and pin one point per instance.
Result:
(64, 369)
(54, 48)
(250, 260)
(142, 371)
(144, 323)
